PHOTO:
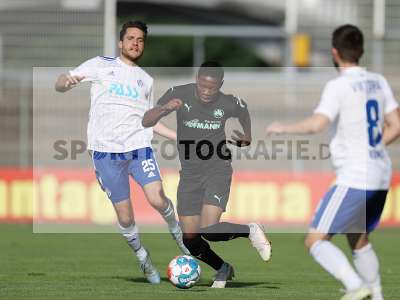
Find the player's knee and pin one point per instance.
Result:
(314, 237)
(357, 241)
(158, 200)
(190, 235)
(309, 241)
(307, 244)
(125, 221)
(159, 205)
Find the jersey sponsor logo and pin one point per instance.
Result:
(187, 106)
(218, 113)
(140, 83)
(121, 90)
(195, 123)
(151, 174)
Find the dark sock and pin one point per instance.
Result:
(200, 249)
(224, 231)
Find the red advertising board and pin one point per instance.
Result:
(74, 196)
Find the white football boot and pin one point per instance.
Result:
(362, 293)
(149, 271)
(260, 241)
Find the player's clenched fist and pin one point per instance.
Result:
(239, 139)
(173, 104)
(66, 82)
(275, 128)
(71, 81)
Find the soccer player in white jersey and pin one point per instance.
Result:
(121, 92)
(365, 110)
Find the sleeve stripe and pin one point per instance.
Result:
(108, 58)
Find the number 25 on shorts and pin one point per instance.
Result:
(148, 165)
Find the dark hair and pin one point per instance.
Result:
(212, 69)
(348, 40)
(133, 24)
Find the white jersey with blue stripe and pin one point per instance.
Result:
(120, 95)
(358, 101)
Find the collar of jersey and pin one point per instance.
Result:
(352, 70)
(120, 62)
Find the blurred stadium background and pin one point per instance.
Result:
(277, 58)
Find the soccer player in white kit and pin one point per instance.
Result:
(366, 113)
(121, 92)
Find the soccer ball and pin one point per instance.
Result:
(183, 271)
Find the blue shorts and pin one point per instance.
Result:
(113, 170)
(348, 210)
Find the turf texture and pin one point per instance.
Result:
(102, 266)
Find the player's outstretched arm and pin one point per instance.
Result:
(242, 139)
(152, 116)
(66, 82)
(391, 130)
(311, 125)
(165, 131)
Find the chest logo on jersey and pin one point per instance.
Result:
(187, 106)
(122, 90)
(195, 123)
(218, 113)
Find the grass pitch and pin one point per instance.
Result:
(101, 266)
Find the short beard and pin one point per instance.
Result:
(130, 57)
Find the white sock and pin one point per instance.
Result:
(169, 216)
(131, 235)
(367, 266)
(332, 259)
(141, 254)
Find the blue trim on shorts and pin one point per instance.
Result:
(348, 210)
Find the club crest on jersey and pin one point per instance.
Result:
(218, 113)
(117, 89)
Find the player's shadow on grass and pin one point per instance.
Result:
(241, 284)
(231, 284)
(136, 279)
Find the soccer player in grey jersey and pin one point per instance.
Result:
(205, 179)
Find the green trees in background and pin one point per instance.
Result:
(178, 52)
